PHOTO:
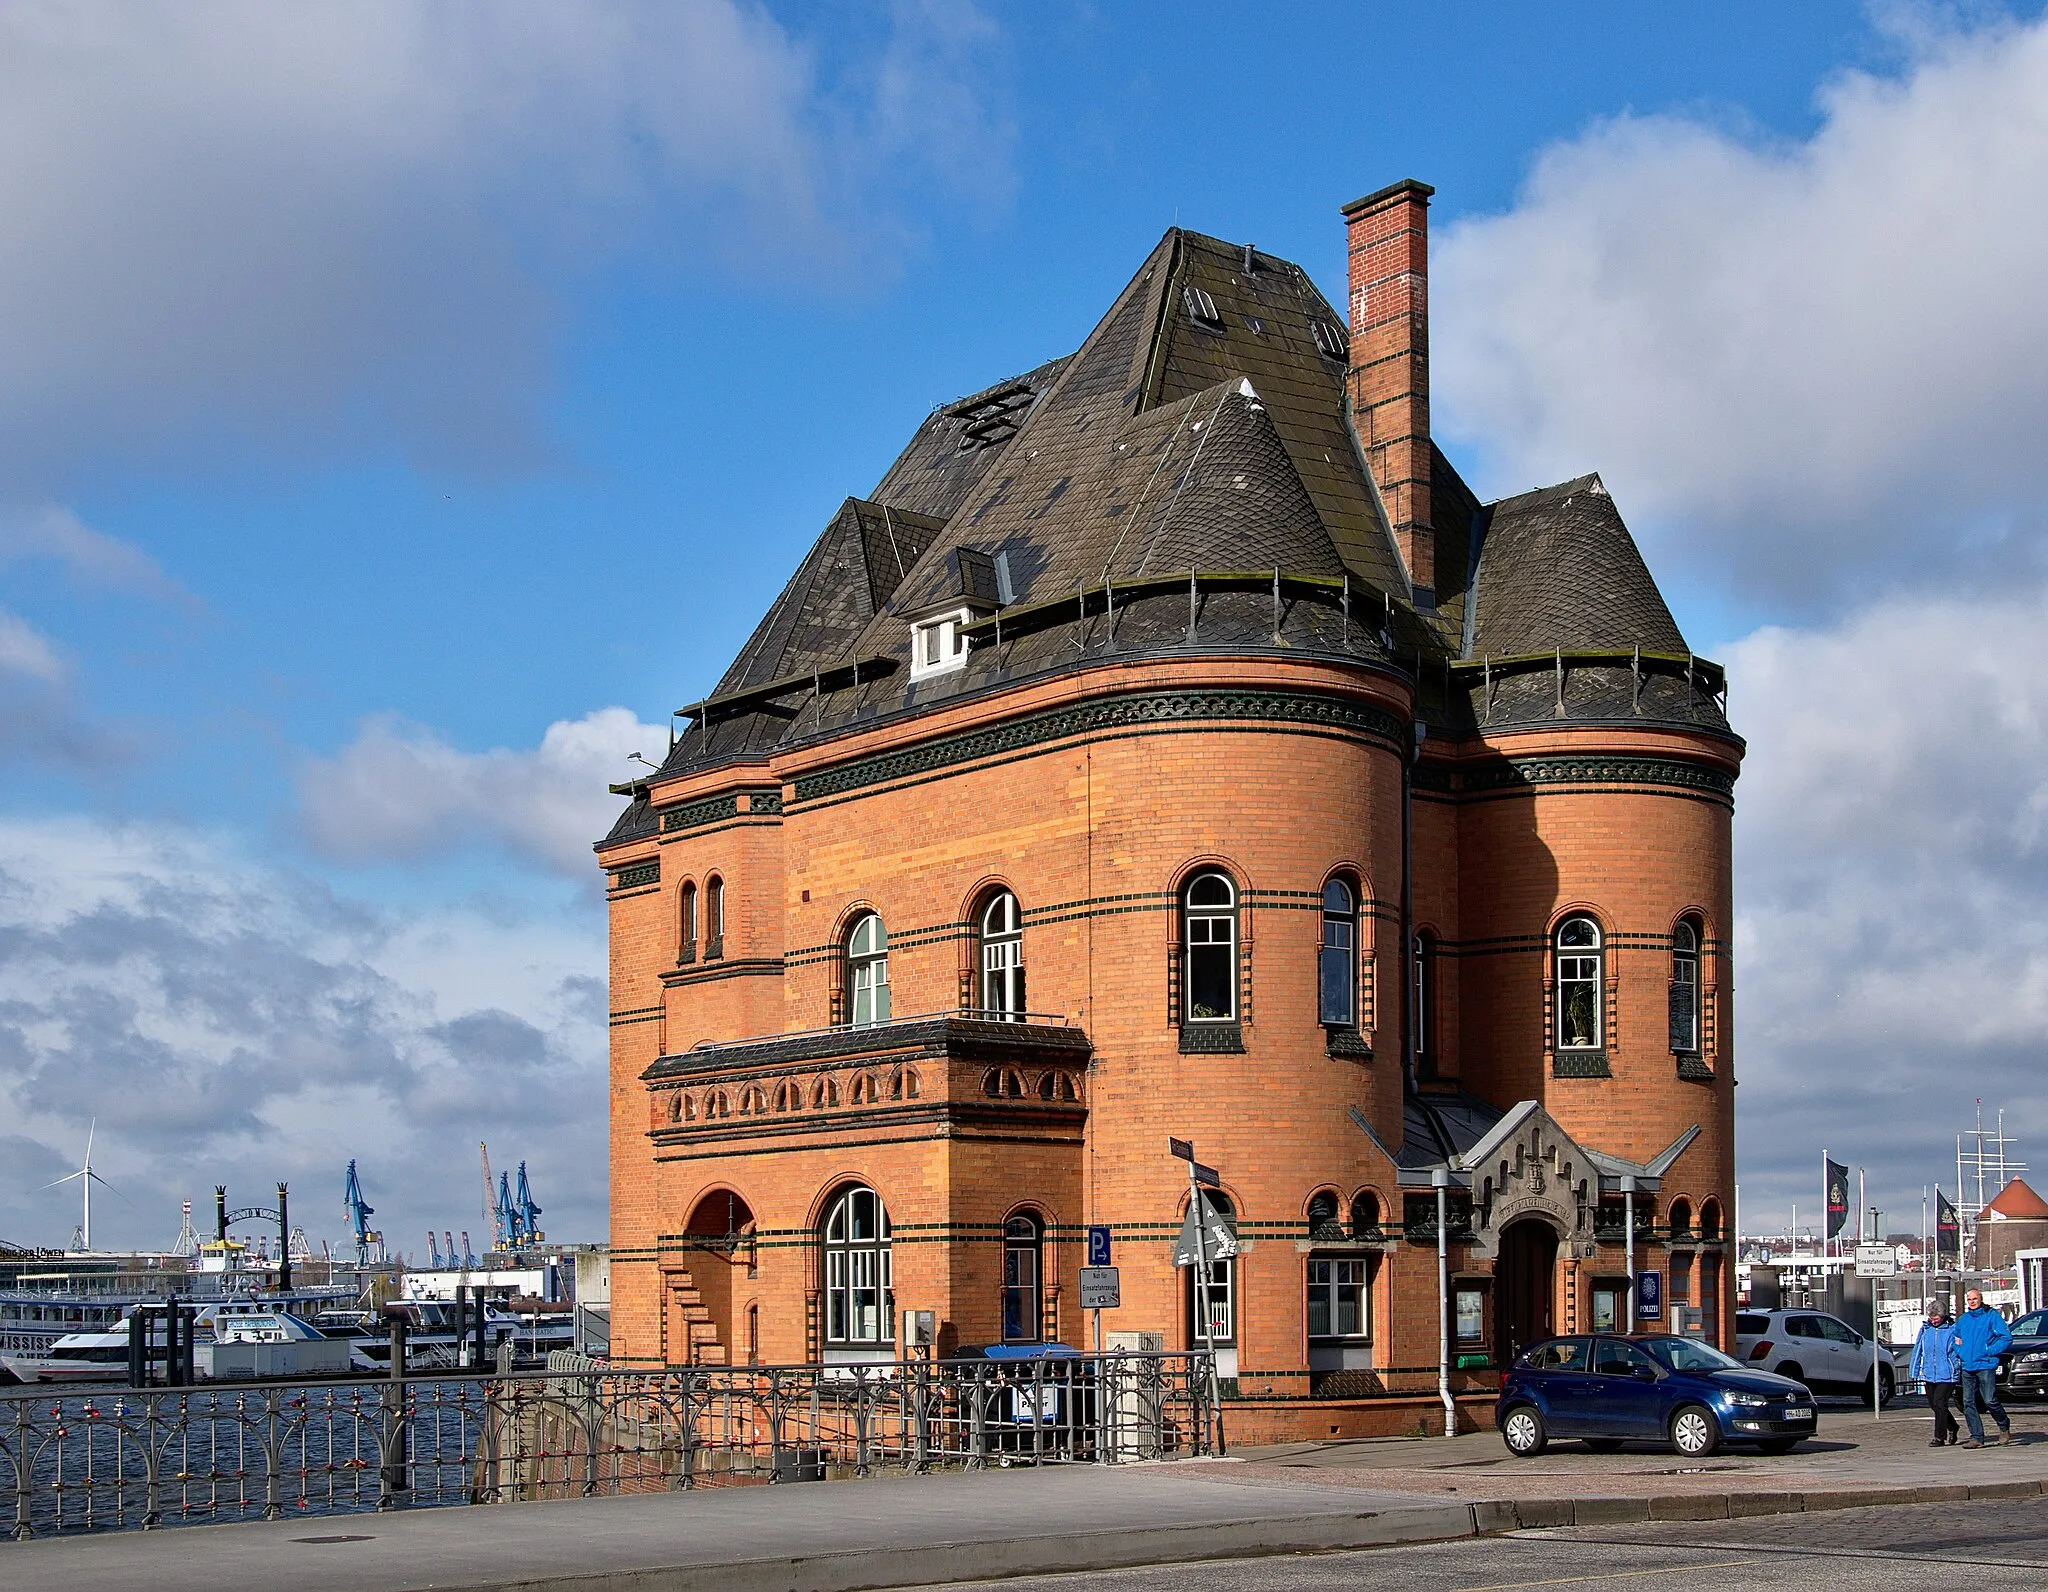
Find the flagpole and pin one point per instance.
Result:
(1923, 1249)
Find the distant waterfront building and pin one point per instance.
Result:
(1171, 744)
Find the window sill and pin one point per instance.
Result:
(1693, 1070)
(688, 956)
(1579, 1064)
(1348, 1042)
(714, 950)
(1211, 1039)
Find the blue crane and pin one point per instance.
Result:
(433, 1250)
(505, 1215)
(359, 1214)
(525, 1211)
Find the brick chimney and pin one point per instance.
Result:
(1388, 245)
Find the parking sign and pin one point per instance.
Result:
(1098, 1246)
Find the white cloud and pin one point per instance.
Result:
(1801, 364)
(227, 1021)
(1891, 888)
(52, 532)
(399, 791)
(24, 650)
(317, 225)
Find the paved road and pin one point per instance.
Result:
(1985, 1547)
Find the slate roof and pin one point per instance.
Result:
(1557, 568)
(1203, 425)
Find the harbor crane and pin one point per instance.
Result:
(525, 1212)
(369, 1242)
(433, 1251)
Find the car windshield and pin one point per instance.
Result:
(1684, 1354)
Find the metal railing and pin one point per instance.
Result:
(120, 1458)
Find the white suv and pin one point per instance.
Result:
(1823, 1351)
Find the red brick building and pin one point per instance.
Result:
(1171, 745)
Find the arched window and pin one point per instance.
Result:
(1002, 957)
(1023, 1248)
(1365, 1215)
(1424, 1016)
(1710, 1220)
(1209, 918)
(1685, 987)
(867, 972)
(686, 923)
(714, 916)
(1578, 984)
(1322, 1216)
(859, 1302)
(1681, 1220)
(1337, 985)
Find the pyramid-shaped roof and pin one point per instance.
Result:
(2016, 1202)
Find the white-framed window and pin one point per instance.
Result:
(1337, 982)
(1578, 984)
(1685, 987)
(1338, 1298)
(860, 1304)
(714, 916)
(867, 972)
(1023, 1304)
(936, 644)
(1209, 917)
(1002, 956)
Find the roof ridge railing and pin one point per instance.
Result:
(978, 1014)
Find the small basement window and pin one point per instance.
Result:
(936, 645)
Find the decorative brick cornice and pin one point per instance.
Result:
(639, 874)
(1524, 773)
(694, 815)
(1141, 711)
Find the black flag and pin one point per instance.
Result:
(1838, 1196)
(1948, 1228)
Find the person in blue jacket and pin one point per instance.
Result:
(1935, 1368)
(1981, 1337)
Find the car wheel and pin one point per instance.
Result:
(1778, 1445)
(1791, 1368)
(1604, 1445)
(1522, 1430)
(1694, 1431)
(1884, 1383)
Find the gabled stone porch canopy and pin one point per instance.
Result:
(1524, 1165)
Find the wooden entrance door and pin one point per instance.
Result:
(1524, 1287)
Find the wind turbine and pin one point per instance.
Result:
(86, 1177)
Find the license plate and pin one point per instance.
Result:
(1799, 1415)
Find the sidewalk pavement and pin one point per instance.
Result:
(1851, 1461)
(809, 1537)
(899, 1531)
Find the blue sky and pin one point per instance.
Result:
(412, 404)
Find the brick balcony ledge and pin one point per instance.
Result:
(957, 1035)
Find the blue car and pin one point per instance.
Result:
(1612, 1390)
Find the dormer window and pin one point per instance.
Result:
(936, 644)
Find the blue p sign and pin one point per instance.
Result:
(1098, 1246)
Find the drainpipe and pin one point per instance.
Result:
(1441, 1178)
(1628, 1223)
(1409, 1015)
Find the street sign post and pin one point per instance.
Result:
(1101, 1289)
(1098, 1246)
(1876, 1260)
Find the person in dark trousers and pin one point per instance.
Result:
(1936, 1368)
(1981, 1337)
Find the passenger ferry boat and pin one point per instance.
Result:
(231, 1338)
